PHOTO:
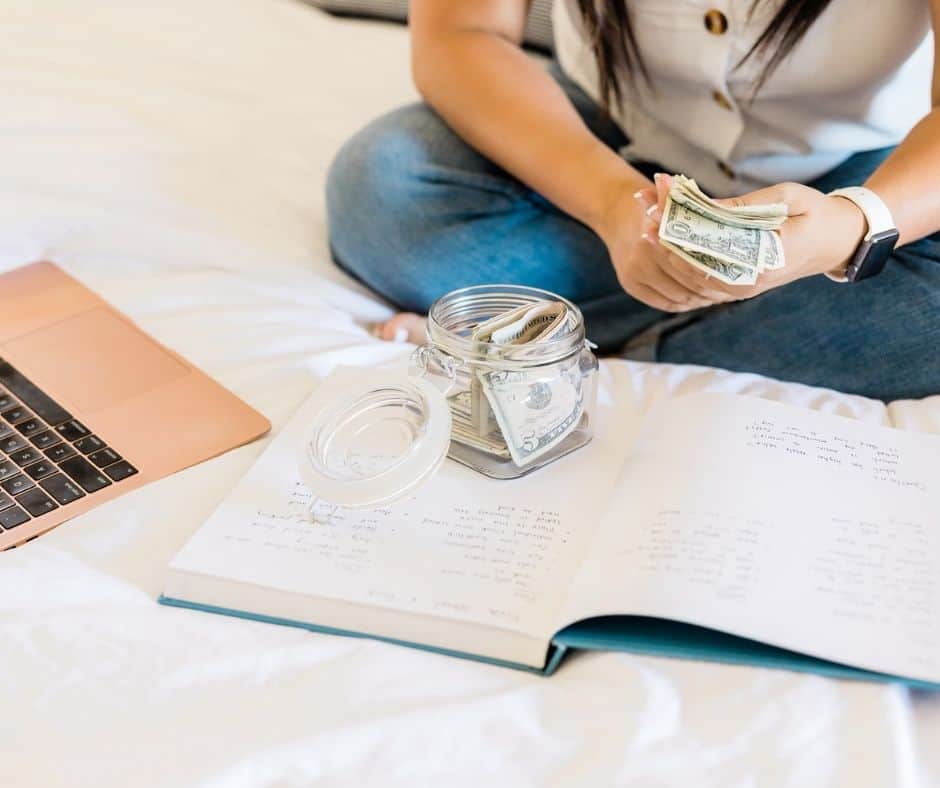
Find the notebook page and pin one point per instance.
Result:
(463, 547)
(812, 532)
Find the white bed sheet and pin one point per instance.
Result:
(172, 155)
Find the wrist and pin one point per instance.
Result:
(603, 188)
(846, 227)
(617, 207)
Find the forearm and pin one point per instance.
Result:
(509, 108)
(909, 181)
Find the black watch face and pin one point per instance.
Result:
(874, 254)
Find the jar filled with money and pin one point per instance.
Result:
(505, 384)
(518, 374)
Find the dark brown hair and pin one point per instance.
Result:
(610, 31)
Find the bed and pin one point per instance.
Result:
(172, 155)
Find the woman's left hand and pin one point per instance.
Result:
(820, 236)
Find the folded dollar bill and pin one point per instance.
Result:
(527, 323)
(733, 244)
(521, 413)
(535, 410)
(770, 216)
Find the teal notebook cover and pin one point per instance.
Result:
(662, 638)
(633, 634)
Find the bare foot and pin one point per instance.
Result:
(404, 327)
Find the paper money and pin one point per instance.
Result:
(770, 216)
(726, 272)
(463, 428)
(684, 227)
(528, 323)
(535, 411)
(735, 245)
(520, 413)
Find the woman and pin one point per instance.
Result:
(512, 173)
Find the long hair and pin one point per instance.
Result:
(610, 31)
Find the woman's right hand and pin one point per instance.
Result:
(643, 265)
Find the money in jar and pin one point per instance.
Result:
(518, 373)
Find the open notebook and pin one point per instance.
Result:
(723, 527)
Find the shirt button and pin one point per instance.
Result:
(726, 170)
(722, 100)
(716, 22)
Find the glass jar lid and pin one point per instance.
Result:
(375, 443)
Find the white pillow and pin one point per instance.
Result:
(538, 30)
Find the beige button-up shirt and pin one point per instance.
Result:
(859, 80)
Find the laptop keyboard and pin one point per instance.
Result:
(48, 459)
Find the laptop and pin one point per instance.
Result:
(91, 407)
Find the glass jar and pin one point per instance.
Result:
(514, 408)
(502, 409)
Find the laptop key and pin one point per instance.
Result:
(72, 430)
(6, 400)
(13, 443)
(60, 452)
(83, 472)
(89, 444)
(45, 439)
(10, 518)
(104, 457)
(26, 456)
(120, 470)
(5, 429)
(36, 502)
(30, 427)
(17, 484)
(16, 414)
(7, 469)
(5, 501)
(40, 470)
(63, 489)
(41, 403)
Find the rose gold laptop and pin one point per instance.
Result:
(91, 407)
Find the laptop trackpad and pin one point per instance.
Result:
(94, 360)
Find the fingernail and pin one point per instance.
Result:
(638, 195)
(401, 335)
(651, 210)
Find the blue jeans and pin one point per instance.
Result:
(415, 212)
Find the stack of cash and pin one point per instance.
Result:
(735, 245)
(520, 413)
(464, 428)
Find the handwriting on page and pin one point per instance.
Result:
(866, 458)
(715, 553)
(495, 564)
(880, 573)
(857, 575)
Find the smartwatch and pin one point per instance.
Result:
(879, 242)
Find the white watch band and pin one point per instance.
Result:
(877, 214)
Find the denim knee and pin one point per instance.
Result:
(373, 209)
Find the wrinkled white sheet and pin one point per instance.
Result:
(172, 155)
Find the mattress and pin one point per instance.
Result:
(172, 155)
